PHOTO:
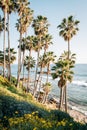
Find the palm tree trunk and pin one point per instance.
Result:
(19, 61)
(61, 95)
(45, 98)
(38, 82)
(66, 99)
(48, 72)
(4, 43)
(23, 67)
(9, 66)
(39, 77)
(28, 86)
(68, 48)
(35, 87)
(23, 62)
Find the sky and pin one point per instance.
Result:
(55, 11)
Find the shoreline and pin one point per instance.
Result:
(73, 111)
(76, 114)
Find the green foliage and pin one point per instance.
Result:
(19, 111)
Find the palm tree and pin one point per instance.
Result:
(1, 24)
(1, 58)
(25, 14)
(50, 58)
(30, 44)
(63, 70)
(4, 6)
(12, 57)
(37, 48)
(29, 63)
(10, 9)
(40, 25)
(68, 28)
(42, 64)
(47, 41)
(47, 88)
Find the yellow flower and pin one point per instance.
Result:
(16, 112)
(5, 117)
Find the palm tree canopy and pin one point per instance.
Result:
(29, 62)
(30, 42)
(63, 69)
(12, 56)
(47, 87)
(40, 25)
(25, 14)
(47, 40)
(68, 28)
(1, 24)
(49, 57)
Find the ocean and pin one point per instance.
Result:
(76, 91)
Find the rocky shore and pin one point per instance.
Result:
(78, 116)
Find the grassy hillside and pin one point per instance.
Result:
(19, 111)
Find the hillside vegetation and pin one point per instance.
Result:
(20, 111)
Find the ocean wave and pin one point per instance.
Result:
(80, 83)
(78, 109)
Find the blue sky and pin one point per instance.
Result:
(55, 11)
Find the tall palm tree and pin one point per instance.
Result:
(63, 70)
(10, 9)
(4, 6)
(68, 28)
(37, 48)
(26, 16)
(40, 25)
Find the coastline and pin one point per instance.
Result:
(73, 111)
(77, 115)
